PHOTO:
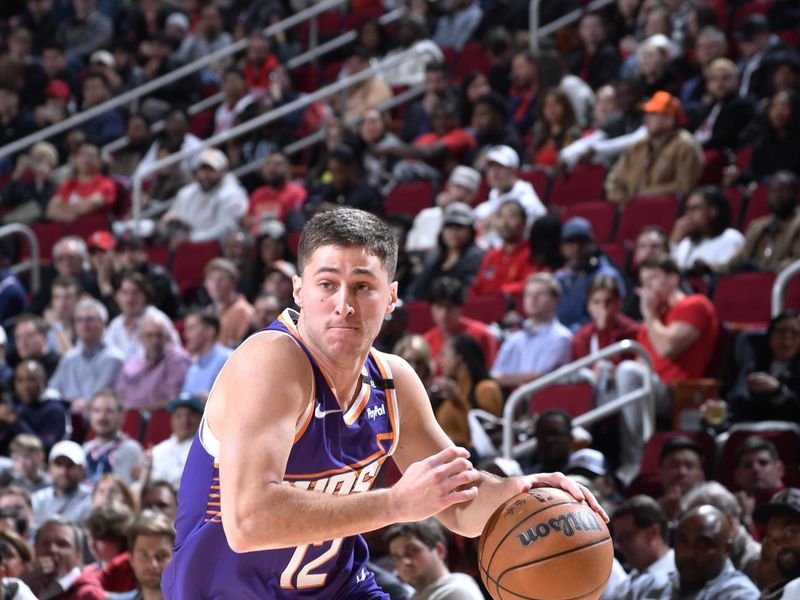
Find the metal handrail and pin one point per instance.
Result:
(319, 134)
(779, 287)
(159, 82)
(264, 119)
(596, 414)
(308, 56)
(33, 263)
(536, 33)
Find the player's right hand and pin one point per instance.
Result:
(431, 485)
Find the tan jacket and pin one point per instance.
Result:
(673, 167)
(365, 95)
(785, 244)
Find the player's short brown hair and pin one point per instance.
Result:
(349, 227)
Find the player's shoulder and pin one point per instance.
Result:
(268, 352)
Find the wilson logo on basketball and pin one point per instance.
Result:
(567, 524)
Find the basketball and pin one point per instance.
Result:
(545, 545)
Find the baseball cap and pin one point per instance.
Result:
(663, 103)
(271, 228)
(786, 501)
(505, 156)
(101, 240)
(103, 57)
(70, 450)
(466, 177)
(58, 89)
(130, 240)
(587, 459)
(751, 26)
(213, 158)
(284, 267)
(187, 400)
(577, 227)
(179, 20)
(459, 213)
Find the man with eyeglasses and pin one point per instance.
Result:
(92, 365)
(782, 517)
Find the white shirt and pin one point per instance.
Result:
(425, 231)
(169, 458)
(792, 590)
(522, 191)
(412, 70)
(211, 214)
(126, 341)
(226, 114)
(715, 252)
(615, 581)
(453, 586)
(66, 581)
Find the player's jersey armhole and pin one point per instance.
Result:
(391, 397)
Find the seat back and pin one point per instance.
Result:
(757, 205)
(488, 308)
(419, 316)
(574, 398)
(582, 184)
(409, 198)
(189, 263)
(601, 214)
(646, 210)
(158, 428)
(744, 298)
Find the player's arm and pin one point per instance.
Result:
(266, 385)
(421, 436)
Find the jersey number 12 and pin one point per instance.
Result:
(305, 578)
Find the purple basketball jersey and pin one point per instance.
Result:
(333, 453)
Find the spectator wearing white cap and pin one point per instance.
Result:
(461, 186)
(209, 207)
(591, 464)
(502, 163)
(67, 496)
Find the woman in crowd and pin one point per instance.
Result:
(457, 255)
(465, 384)
(16, 553)
(555, 128)
(474, 86)
(110, 489)
(703, 239)
(767, 382)
(416, 352)
(372, 135)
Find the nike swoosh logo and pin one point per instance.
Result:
(320, 414)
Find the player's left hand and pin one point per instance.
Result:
(559, 480)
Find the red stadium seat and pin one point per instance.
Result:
(48, 235)
(785, 436)
(757, 205)
(306, 78)
(574, 398)
(409, 198)
(616, 253)
(189, 262)
(646, 210)
(744, 298)
(472, 57)
(158, 255)
(792, 297)
(601, 214)
(583, 183)
(86, 226)
(132, 424)
(743, 156)
(538, 179)
(487, 308)
(713, 164)
(419, 316)
(735, 200)
(158, 428)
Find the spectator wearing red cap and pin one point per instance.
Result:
(86, 193)
(55, 109)
(667, 161)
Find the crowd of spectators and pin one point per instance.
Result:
(105, 369)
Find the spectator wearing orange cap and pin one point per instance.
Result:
(667, 161)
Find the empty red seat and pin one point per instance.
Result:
(409, 198)
(583, 183)
(48, 235)
(158, 255)
(713, 164)
(86, 226)
(647, 210)
(616, 253)
(488, 308)
(419, 316)
(757, 205)
(306, 78)
(744, 298)
(574, 398)
(599, 213)
(132, 424)
(472, 57)
(538, 179)
(158, 428)
(189, 263)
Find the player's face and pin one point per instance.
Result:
(343, 295)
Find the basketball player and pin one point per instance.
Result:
(307, 406)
